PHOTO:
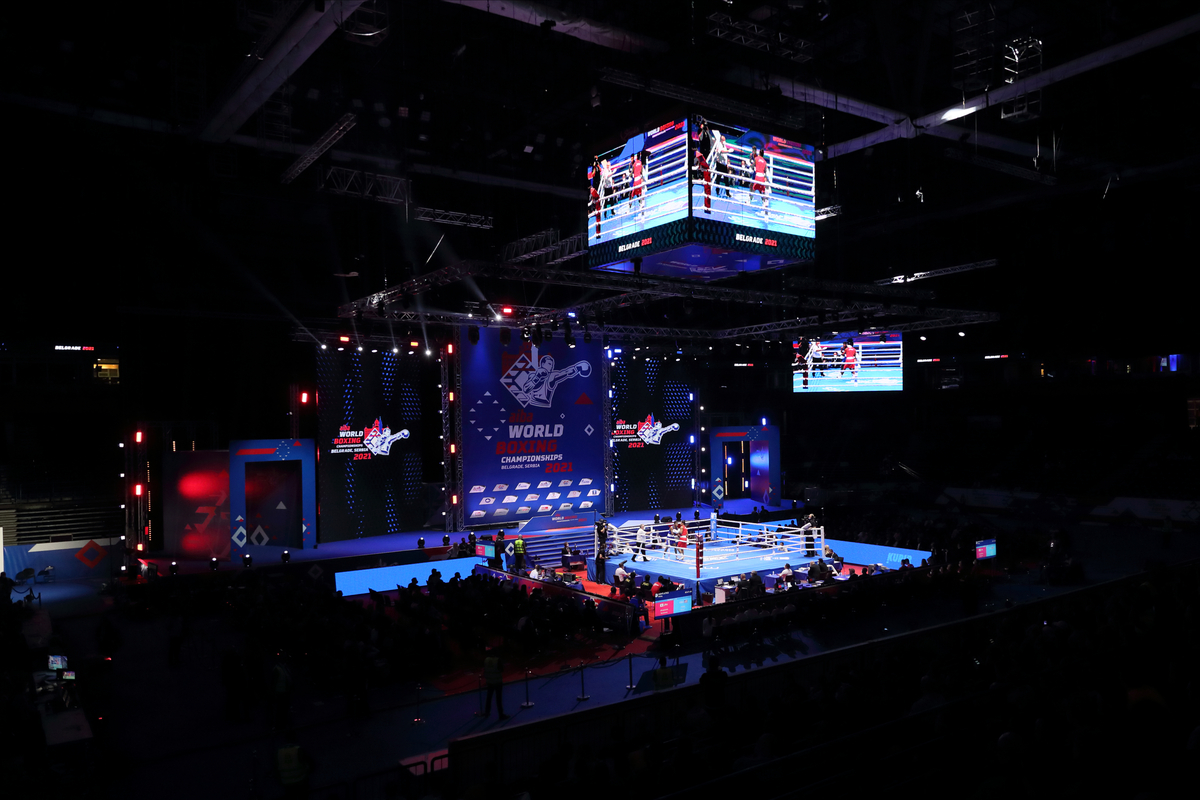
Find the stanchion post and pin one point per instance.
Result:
(630, 685)
(479, 694)
(528, 703)
(417, 720)
(583, 695)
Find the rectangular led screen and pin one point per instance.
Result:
(671, 604)
(640, 185)
(369, 423)
(867, 361)
(753, 180)
(985, 548)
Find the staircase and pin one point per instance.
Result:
(546, 548)
(61, 522)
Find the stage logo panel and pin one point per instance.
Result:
(369, 432)
(196, 506)
(653, 436)
(532, 432)
(262, 485)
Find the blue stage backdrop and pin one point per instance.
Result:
(369, 432)
(653, 436)
(533, 437)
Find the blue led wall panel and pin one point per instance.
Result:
(369, 428)
(653, 433)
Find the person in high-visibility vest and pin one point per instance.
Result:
(519, 552)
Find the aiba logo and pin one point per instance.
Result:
(476, 489)
(501, 487)
(544, 484)
(564, 483)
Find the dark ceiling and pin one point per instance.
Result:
(126, 213)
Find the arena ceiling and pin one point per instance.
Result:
(164, 137)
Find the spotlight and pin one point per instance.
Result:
(285, 556)
(174, 568)
(526, 334)
(445, 540)
(421, 543)
(213, 564)
(960, 333)
(123, 570)
(247, 560)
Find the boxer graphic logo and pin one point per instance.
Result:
(532, 380)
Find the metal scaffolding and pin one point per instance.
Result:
(757, 36)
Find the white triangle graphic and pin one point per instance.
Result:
(239, 518)
(479, 429)
(487, 394)
(488, 438)
(478, 402)
(281, 505)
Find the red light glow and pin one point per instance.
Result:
(414, 344)
(343, 338)
(452, 397)
(449, 349)
(453, 499)
(451, 448)
(137, 490)
(138, 437)
(304, 397)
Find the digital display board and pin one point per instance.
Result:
(640, 185)
(653, 434)
(485, 550)
(369, 429)
(671, 604)
(754, 180)
(866, 361)
(701, 199)
(533, 438)
(985, 548)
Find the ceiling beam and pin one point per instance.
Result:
(304, 30)
(582, 28)
(907, 128)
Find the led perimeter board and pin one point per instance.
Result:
(743, 202)
(867, 361)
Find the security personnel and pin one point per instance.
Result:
(519, 552)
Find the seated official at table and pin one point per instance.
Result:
(536, 573)
(620, 574)
(819, 571)
(566, 557)
(787, 574)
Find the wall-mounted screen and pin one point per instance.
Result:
(865, 361)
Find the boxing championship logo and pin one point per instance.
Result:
(532, 380)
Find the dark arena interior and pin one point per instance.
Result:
(419, 398)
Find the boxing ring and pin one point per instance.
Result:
(714, 550)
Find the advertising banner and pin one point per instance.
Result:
(532, 432)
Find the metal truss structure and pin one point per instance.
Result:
(937, 273)
(448, 418)
(366, 185)
(1022, 59)
(633, 287)
(458, 510)
(796, 119)
(827, 212)
(393, 190)
(327, 140)
(545, 248)
(759, 37)
(453, 218)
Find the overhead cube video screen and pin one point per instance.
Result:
(869, 361)
(640, 185)
(701, 200)
(753, 179)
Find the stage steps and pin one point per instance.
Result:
(54, 522)
(547, 547)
